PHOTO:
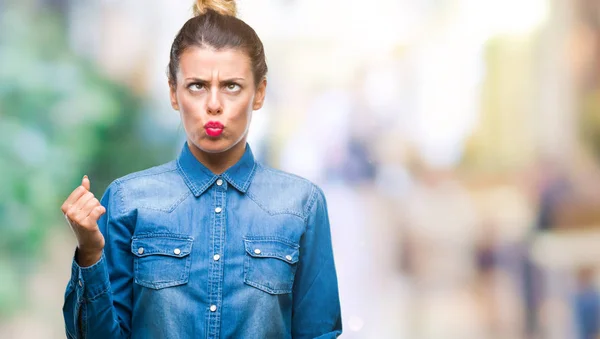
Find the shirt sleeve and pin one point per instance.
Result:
(98, 298)
(316, 306)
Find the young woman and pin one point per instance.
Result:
(212, 244)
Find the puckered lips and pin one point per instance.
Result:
(214, 128)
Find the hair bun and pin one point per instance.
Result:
(224, 7)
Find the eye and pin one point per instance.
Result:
(232, 87)
(195, 87)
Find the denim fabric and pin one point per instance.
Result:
(190, 254)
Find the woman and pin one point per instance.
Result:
(212, 244)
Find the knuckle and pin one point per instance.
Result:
(75, 218)
(65, 207)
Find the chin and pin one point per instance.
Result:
(213, 146)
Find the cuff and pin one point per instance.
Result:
(92, 281)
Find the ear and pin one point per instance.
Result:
(173, 95)
(259, 96)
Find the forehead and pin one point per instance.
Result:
(204, 61)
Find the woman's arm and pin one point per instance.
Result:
(316, 306)
(98, 298)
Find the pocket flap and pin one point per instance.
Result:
(272, 248)
(173, 245)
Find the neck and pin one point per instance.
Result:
(219, 162)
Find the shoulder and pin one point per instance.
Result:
(159, 187)
(278, 191)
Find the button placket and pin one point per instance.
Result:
(219, 192)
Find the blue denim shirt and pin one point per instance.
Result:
(190, 254)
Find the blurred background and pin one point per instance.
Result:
(457, 142)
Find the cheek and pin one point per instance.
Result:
(240, 109)
(187, 104)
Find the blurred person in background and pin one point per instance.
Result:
(212, 244)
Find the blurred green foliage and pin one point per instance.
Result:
(60, 118)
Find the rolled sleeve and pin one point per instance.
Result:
(316, 308)
(93, 281)
(98, 298)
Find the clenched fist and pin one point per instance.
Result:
(82, 211)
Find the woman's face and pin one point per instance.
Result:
(215, 94)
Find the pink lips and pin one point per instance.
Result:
(214, 128)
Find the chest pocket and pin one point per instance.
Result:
(270, 264)
(161, 260)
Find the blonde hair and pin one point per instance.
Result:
(215, 25)
(224, 7)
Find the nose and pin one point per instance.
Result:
(214, 104)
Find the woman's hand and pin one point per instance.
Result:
(82, 211)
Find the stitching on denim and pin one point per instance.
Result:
(266, 288)
(187, 180)
(250, 176)
(259, 238)
(289, 175)
(309, 204)
(159, 285)
(183, 277)
(264, 208)
(172, 207)
(146, 173)
(99, 294)
(163, 235)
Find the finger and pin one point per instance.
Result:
(73, 211)
(84, 200)
(73, 197)
(96, 213)
(87, 208)
(85, 182)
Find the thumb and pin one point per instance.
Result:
(85, 182)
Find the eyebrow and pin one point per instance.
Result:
(222, 81)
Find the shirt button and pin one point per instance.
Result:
(219, 182)
(257, 251)
(177, 251)
(141, 250)
(216, 257)
(288, 257)
(218, 209)
(213, 308)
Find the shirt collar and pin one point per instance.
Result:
(198, 177)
